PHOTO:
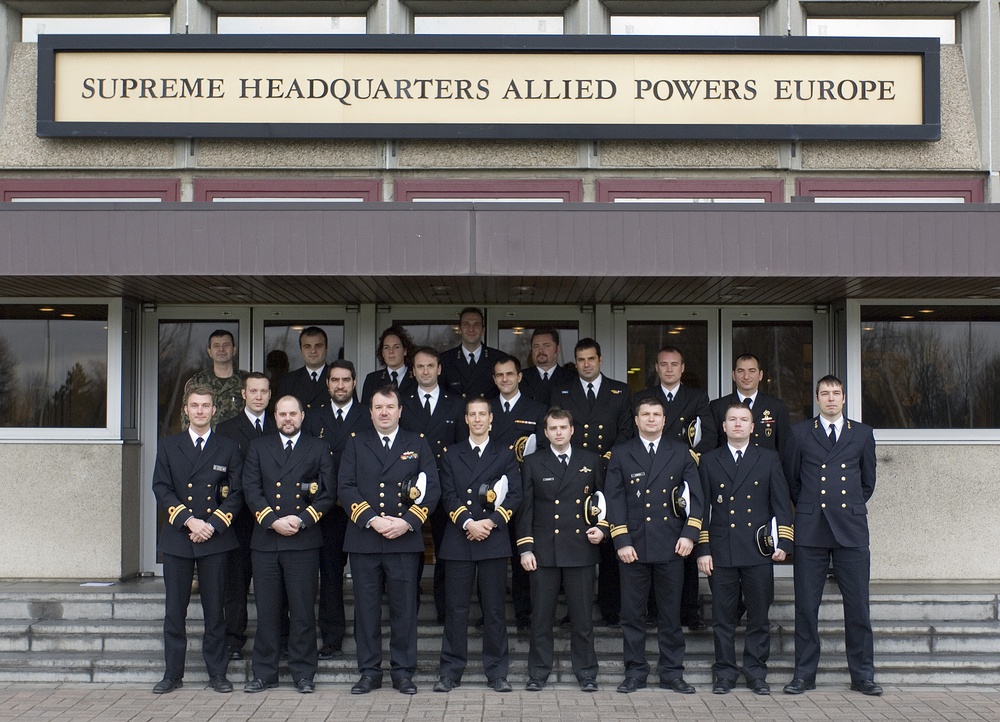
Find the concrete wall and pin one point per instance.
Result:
(935, 514)
(71, 511)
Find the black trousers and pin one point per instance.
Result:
(609, 599)
(332, 560)
(637, 580)
(690, 603)
(578, 584)
(178, 573)
(438, 521)
(397, 574)
(756, 583)
(291, 575)
(238, 577)
(493, 600)
(520, 582)
(852, 568)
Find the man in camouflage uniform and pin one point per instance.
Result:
(225, 380)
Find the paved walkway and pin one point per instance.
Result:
(118, 703)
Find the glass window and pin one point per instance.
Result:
(898, 190)
(488, 25)
(943, 28)
(291, 24)
(689, 200)
(930, 367)
(646, 338)
(893, 199)
(785, 350)
(33, 25)
(514, 339)
(54, 366)
(281, 346)
(684, 25)
(441, 335)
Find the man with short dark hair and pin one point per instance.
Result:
(602, 412)
(388, 484)
(744, 489)
(196, 481)
(253, 423)
(558, 547)
(224, 378)
(467, 369)
(335, 423)
(480, 491)
(546, 373)
(289, 486)
(833, 477)
(308, 382)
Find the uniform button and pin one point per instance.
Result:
(190, 498)
(208, 498)
(585, 444)
(648, 519)
(756, 483)
(557, 501)
(469, 502)
(586, 426)
(556, 516)
(600, 426)
(600, 436)
(557, 531)
(748, 523)
(843, 478)
(732, 498)
(721, 486)
(749, 511)
(822, 491)
(577, 501)
(823, 506)
(468, 491)
(843, 466)
(732, 526)
(298, 496)
(277, 496)
(843, 491)
(381, 486)
(208, 511)
(822, 478)
(190, 485)
(277, 508)
(823, 466)
(664, 504)
(648, 505)
(843, 506)
(278, 484)
(748, 497)
(732, 511)
(577, 531)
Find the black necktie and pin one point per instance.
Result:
(395, 378)
(479, 452)
(427, 404)
(749, 402)
(739, 456)
(198, 444)
(591, 396)
(564, 460)
(472, 359)
(385, 440)
(288, 449)
(652, 451)
(545, 376)
(315, 376)
(340, 416)
(670, 396)
(833, 434)
(260, 429)
(506, 407)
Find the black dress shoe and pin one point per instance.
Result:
(613, 620)
(523, 625)
(534, 685)
(722, 686)
(589, 684)
(365, 685)
(167, 684)
(500, 684)
(631, 684)
(236, 653)
(404, 685)
(481, 622)
(564, 622)
(258, 685)
(220, 684)
(798, 686)
(328, 651)
(759, 686)
(305, 686)
(446, 684)
(696, 625)
(677, 685)
(867, 687)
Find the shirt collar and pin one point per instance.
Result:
(293, 439)
(752, 397)
(392, 436)
(254, 419)
(596, 382)
(482, 446)
(655, 442)
(734, 449)
(194, 436)
(513, 401)
(673, 391)
(346, 408)
(477, 353)
(569, 453)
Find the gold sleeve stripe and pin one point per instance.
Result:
(174, 511)
(358, 509)
(457, 513)
(618, 531)
(505, 513)
(314, 514)
(604, 524)
(695, 522)
(786, 532)
(696, 456)
(264, 512)
(703, 537)
(420, 512)
(226, 518)
(526, 540)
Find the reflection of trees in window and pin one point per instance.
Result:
(8, 382)
(785, 352)
(925, 375)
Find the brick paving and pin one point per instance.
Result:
(474, 703)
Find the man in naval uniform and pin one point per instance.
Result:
(480, 490)
(196, 481)
(388, 484)
(467, 369)
(745, 489)
(546, 373)
(833, 477)
(308, 383)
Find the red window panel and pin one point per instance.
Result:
(972, 190)
(162, 189)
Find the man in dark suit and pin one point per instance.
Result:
(744, 489)
(334, 423)
(833, 477)
(251, 424)
(467, 369)
(289, 486)
(395, 354)
(307, 383)
(440, 416)
(480, 490)
(687, 413)
(518, 425)
(652, 541)
(196, 481)
(546, 374)
(602, 415)
(558, 547)
(385, 539)
(772, 426)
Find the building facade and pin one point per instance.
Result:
(873, 259)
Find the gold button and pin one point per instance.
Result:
(648, 519)
(843, 466)
(732, 526)
(822, 478)
(278, 484)
(843, 506)
(843, 478)
(732, 511)
(208, 511)
(277, 496)
(577, 531)
(556, 516)
(823, 506)
(557, 501)
(721, 486)
(190, 498)
(748, 497)
(586, 426)
(381, 494)
(648, 505)
(756, 483)
(577, 516)
(749, 511)
(843, 491)
(732, 498)
(822, 491)
(469, 502)
(190, 485)
(748, 523)
(600, 426)
(298, 496)
(381, 486)
(468, 491)
(577, 501)
(823, 466)
(277, 508)
(557, 531)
